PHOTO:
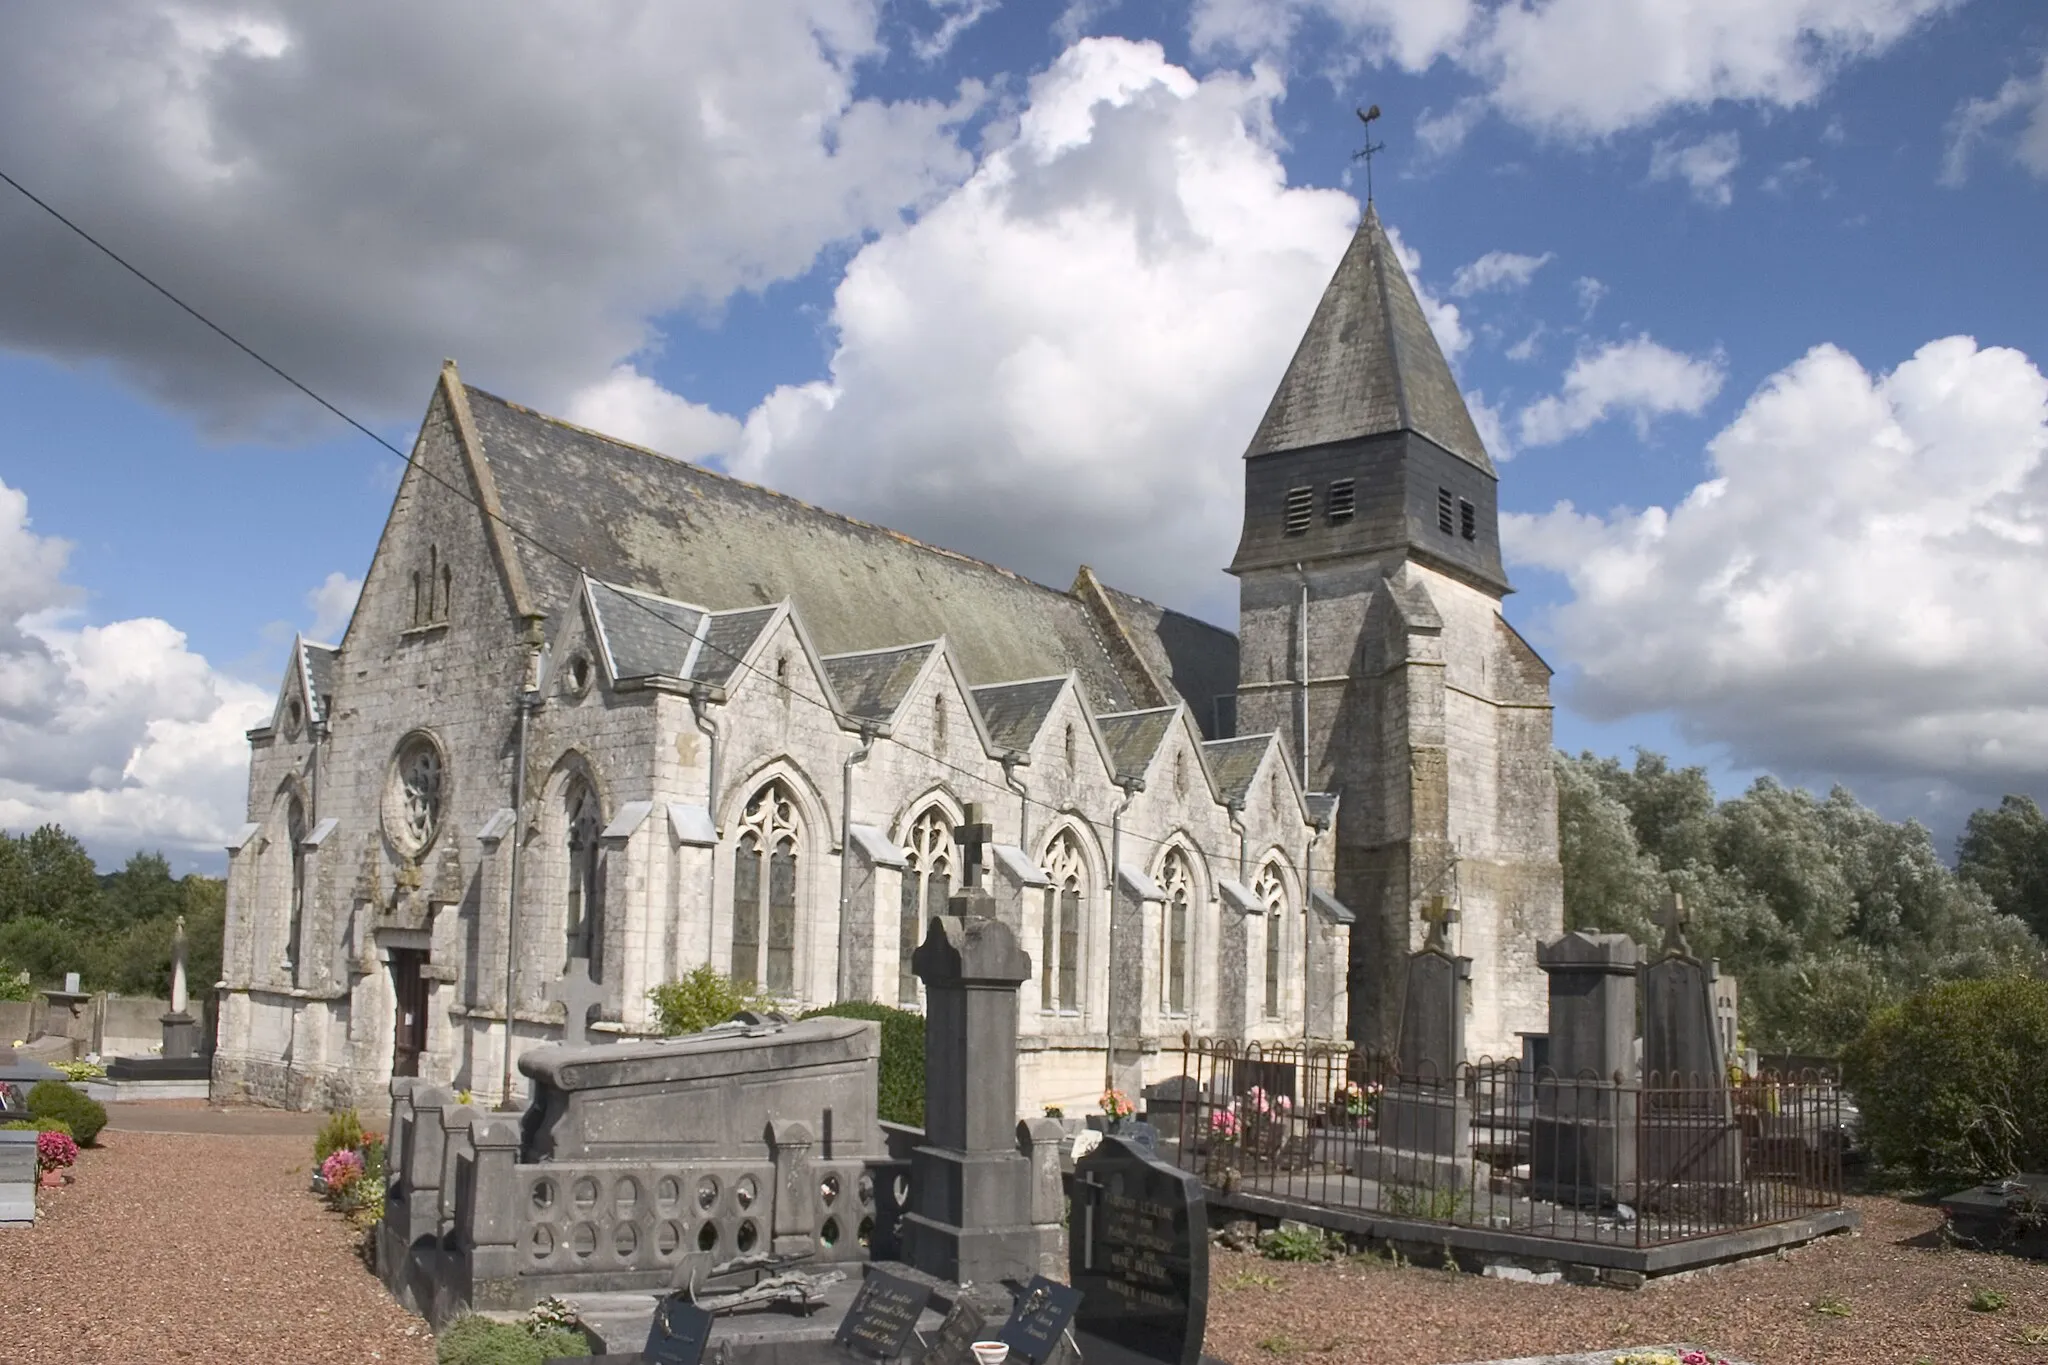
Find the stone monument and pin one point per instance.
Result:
(182, 1057)
(1582, 1138)
(181, 1030)
(1139, 1256)
(971, 1184)
(1425, 1117)
(1691, 1153)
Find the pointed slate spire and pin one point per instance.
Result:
(1369, 364)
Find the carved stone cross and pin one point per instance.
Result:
(1675, 920)
(1438, 914)
(973, 833)
(579, 997)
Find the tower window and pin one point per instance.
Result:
(1301, 509)
(1443, 511)
(1343, 500)
(1468, 520)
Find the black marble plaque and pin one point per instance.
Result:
(883, 1315)
(1138, 1250)
(962, 1328)
(1040, 1319)
(677, 1334)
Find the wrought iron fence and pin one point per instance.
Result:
(1494, 1145)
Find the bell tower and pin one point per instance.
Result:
(1371, 639)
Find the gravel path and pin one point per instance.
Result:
(1906, 1302)
(183, 1247)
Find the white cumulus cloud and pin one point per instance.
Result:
(1639, 377)
(332, 603)
(118, 732)
(632, 407)
(1502, 270)
(1854, 589)
(1706, 165)
(1975, 120)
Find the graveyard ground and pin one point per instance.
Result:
(189, 1236)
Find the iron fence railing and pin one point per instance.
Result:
(1494, 1145)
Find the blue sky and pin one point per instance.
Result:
(1750, 299)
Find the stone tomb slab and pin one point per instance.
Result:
(1139, 1256)
(883, 1315)
(1042, 1316)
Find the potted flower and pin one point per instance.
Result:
(1116, 1109)
(54, 1152)
(1225, 1128)
(1353, 1105)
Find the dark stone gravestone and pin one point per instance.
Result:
(678, 1333)
(2004, 1215)
(952, 1343)
(882, 1316)
(1042, 1315)
(1139, 1255)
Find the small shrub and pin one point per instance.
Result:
(38, 1126)
(902, 1066)
(341, 1131)
(59, 1100)
(1295, 1242)
(475, 1340)
(1988, 1301)
(702, 998)
(1953, 1082)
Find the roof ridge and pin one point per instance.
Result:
(932, 643)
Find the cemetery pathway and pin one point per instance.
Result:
(180, 1246)
(1898, 1299)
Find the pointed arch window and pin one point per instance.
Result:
(1177, 880)
(927, 882)
(1059, 974)
(295, 833)
(764, 892)
(1272, 896)
(583, 824)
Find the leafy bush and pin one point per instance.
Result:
(475, 1340)
(342, 1131)
(1953, 1082)
(15, 984)
(1299, 1242)
(902, 1067)
(703, 998)
(37, 1126)
(58, 1100)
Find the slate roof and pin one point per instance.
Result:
(646, 636)
(727, 639)
(1368, 364)
(1015, 712)
(629, 516)
(1234, 763)
(872, 684)
(1198, 659)
(1134, 736)
(317, 663)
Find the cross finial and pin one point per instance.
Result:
(1675, 920)
(974, 831)
(1365, 153)
(579, 997)
(1438, 914)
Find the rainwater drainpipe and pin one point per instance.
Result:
(1308, 909)
(1010, 760)
(527, 702)
(849, 989)
(700, 697)
(1301, 670)
(1131, 786)
(1235, 810)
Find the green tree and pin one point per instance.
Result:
(2004, 853)
(47, 874)
(142, 890)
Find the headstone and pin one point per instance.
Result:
(1043, 1315)
(1582, 1139)
(1728, 1014)
(953, 1343)
(2003, 1215)
(678, 1333)
(1691, 1149)
(883, 1315)
(1138, 1252)
(1424, 1122)
(579, 997)
(71, 983)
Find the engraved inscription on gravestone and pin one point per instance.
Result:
(1140, 1257)
(678, 1333)
(952, 1344)
(882, 1316)
(1040, 1319)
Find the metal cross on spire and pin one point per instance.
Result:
(1366, 153)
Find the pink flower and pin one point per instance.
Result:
(54, 1151)
(342, 1169)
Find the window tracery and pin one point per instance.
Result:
(1271, 895)
(295, 833)
(927, 882)
(413, 797)
(584, 901)
(1059, 974)
(1177, 881)
(764, 892)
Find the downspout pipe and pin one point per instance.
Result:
(1235, 811)
(525, 704)
(849, 989)
(1301, 670)
(1010, 760)
(1308, 910)
(1130, 786)
(700, 698)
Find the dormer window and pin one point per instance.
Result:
(1301, 510)
(1468, 520)
(1343, 501)
(1443, 512)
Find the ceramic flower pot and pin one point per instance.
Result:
(51, 1179)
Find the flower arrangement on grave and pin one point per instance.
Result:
(1225, 1128)
(341, 1171)
(1116, 1106)
(1353, 1105)
(55, 1151)
(1265, 1118)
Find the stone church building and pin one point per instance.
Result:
(602, 716)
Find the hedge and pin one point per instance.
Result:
(60, 1100)
(902, 1068)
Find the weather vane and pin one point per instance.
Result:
(1365, 153)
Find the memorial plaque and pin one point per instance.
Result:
(1040, 1319)
(961, 1329)
(677, 1334)
(1139, 1254)
(883, 1315)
